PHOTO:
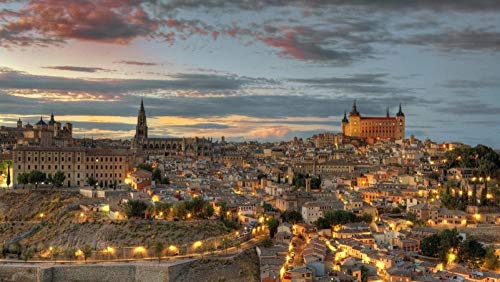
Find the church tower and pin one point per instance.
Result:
(400, 119)
(141, 129)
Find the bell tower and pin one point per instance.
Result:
(141, 129)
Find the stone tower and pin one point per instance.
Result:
(141, 129)
(400, 118)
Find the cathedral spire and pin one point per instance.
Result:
(142, 104)
(354, 111)
(400, 112)
(345, 117)
(141, 129)
(387, 112)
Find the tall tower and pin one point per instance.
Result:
(400, 118)
(345, 124)
(141, 129)
(354, 121)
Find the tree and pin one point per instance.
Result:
(448, 240)
(272, 224)
(158, 249)
(8, 176)
(86, 252)
(36, 177)
(135, 208)
(147, 167)
(156, 175)
(472, 252)
(165, 181)
(70, 253)
(28, 254)
(23, 178)
(364, 273)
(491, 260)
(55, 252)
(225, 242)
(291, 216)
(91, 181)
(58, 178)
(163, 208)
(267, 243)
(430, 245)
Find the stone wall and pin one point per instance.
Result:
(133, 272)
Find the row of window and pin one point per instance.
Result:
(49, 159)
(49, 167)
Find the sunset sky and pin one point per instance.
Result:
(265, 70)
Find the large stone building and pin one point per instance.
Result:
(374, 127)
(50, 133)
(106, 165)
(192, 147)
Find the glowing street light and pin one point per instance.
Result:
(197, 244)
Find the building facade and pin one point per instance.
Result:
(374, 127)
(192, 146)
(51, 133)
(108, 165)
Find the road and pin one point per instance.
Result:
(226, 253)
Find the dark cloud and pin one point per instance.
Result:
(457, 40)
(470, 107)
(490, 82)
(193, 84)
(77, 69)
(137, 63)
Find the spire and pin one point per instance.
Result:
(354, 111)
(142, 104)
(345, 117)
(387, 112)
(52, 121)
(400, 113)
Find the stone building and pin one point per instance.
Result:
(105, 165)
(374, 127)
(192, 147)
(40, 134)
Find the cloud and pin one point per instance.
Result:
(489, 82)
(182, 84)
(269, 133)
(77, 69)
(137, 63)
(470, 107)
(457, 40)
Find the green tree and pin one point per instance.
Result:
(28, 254)
(272, 224)
(55, 252)
(291, 216)
(86, 252)
(91, 181)
(448, 240)
(36, 177)
(430, 245)
(162, 207)
(147, 167)
(225, 243)
(158, 250)
(157, 175)
(267, 243)
(8, 176)
(58, 178)
(364, 273)
(70, 253)
(165, 181)
(472, 252)
(23, 178)
(491, 260)
(135, 208)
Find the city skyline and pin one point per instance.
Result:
(250, 71)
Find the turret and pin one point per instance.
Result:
(19, 123)
(354, 111)
(400, 112)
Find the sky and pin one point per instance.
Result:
(252, 69)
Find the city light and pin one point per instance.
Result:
(197, 244)
(139, 250)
